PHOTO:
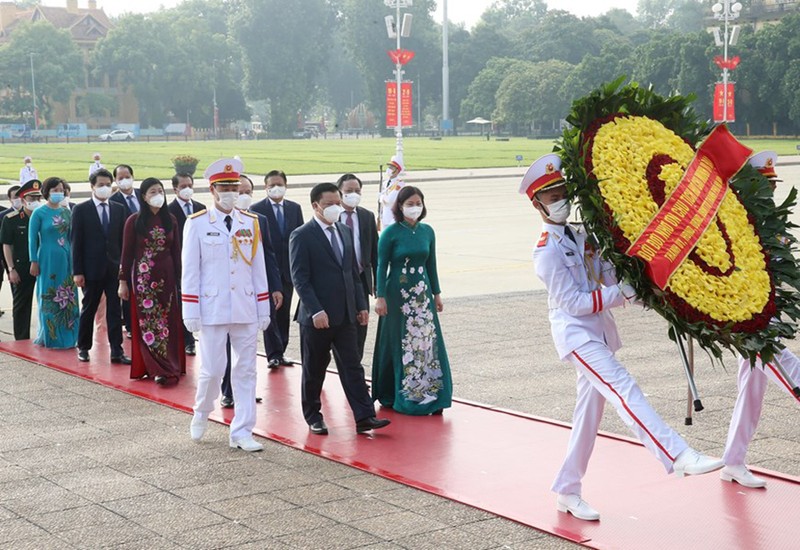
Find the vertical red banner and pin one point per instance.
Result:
(719, 103)
(407, 108)
(391, 104)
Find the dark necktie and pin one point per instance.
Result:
(104, 217)
(569, 234)
(132, 204)
(335, 245)
(188, 209)
(228, 222)
(279, 217)
(349, 220)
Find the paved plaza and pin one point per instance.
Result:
(85, 466)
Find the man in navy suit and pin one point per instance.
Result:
(243, 203)
(365, 236)
(128, 197)
(283, 216)
(332, 303)
(97, 226)
(181, 207)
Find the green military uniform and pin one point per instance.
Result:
(14, 232)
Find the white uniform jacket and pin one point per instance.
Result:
(388, 197)
(224, 277)
(581, 289)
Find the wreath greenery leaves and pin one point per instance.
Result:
(771, 221)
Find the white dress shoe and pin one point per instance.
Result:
(577, 507)
(741, 475)
(198, 427)
(247, 444)
(690, 462)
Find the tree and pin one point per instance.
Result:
(481, 95)
(57, 61)
(557, 35)
(284, 47)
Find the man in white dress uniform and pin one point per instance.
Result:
(224, 292)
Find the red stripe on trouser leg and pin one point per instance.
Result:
(785, 384)
(625, 406)
(594, 301)
(599, 300)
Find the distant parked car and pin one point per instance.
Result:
(302, 134)
(117, 135)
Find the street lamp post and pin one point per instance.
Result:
(33, 92)
(398, 67)
(726, 11)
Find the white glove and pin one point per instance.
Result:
(263, 323)
(628, 292)
(192, 325)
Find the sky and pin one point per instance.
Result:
(459, 11)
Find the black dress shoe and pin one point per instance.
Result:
(190, 350)
(226, 402)
(318, 428)
(129, 334)
(121, 359)
(274, 363)
(259, 399)
(83, 355)
(371, 423)
(437, 412)
(286, 362)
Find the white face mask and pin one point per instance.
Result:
(102, 192)
(276, 192)
(559, 211)
(125, 184)
(33, 205)
(412, 212)
(16, 203)
(351, 199)
(332, 213)
(65, 202)
(28, 164)
(156, 201)
(186, 193)
(244, 201)
(227, 199)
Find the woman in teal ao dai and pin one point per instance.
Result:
(410, 370)
(51, 262)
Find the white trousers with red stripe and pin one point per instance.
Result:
(213, 359)
(602, 378)
(747, 411)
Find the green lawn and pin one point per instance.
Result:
(315, 156)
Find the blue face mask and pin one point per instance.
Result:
(56, 198)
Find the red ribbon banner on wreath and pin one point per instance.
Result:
(683, 218)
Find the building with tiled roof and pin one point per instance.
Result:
(87, 25)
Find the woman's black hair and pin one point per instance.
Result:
(143, 219)
(49, 184)
(406, 193)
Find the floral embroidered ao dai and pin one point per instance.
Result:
(410, 370)
(154, 262)
(56, 293)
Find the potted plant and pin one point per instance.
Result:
(185, 164)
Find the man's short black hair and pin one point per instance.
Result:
(275, 173)
(320, 188)
(118, 166)
(175, 181)
(12, 189)
(348, 177)
(100, 173)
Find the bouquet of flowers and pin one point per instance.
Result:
(626, 156)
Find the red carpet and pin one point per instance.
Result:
(498, 461)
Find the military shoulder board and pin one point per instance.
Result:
(543, 239)
(198, 213)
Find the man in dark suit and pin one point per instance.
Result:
(128, 197)
(283, 216)
(16, 205)
(365, 235)
(97, 226)
(332, 302)
(181, 207)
